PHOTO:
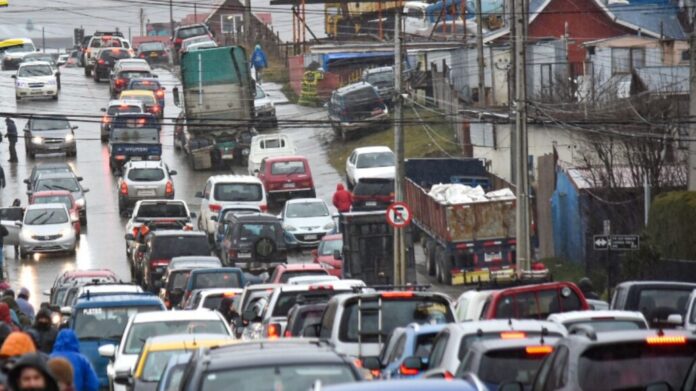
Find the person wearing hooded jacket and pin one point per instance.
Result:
(17, 315)
(342, 199)
(45, 331)
(67, 346)
(31, 373)
(6, 317)
(16, 345)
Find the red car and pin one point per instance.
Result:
(536, 301)
(286, 176)
(329, 254)
(59, 197)
(285, 271)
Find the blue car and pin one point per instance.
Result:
(406, 385)
(100, 319)
(411, 341)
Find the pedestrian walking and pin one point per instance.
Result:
(3, 234)
(46, 332)
(62, 370)
(17, 344)
(258, 58)
(31, 373)
(67, 346)
(11, 138)
(342, 199)
(6, 317)
(585, 285)
(24, 304)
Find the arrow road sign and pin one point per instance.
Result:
(616, 242)
(601, 242)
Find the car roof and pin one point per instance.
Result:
(217, 270)
(149, 79)
(305, 201)
(485, 345)
(145, 164)
(34, 63)
(404, 385)
(185, 341)
(572, 316)
(41, 166)
(476, 294)
(45, 206)
(378, 148)
(502, 325)
(322, 286)
(107, 288)
(164, 316)
(174, 232)
(118, 300)
(89, 272)
(234, 179)
(289, 158)
(195, 258)
(301, 266)
(128, 102)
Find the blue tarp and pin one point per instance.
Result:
(568, 224)
(343, 58)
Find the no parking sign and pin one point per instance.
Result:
(399, 215)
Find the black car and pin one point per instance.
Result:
(254, 241)
(373, 194)
(298, 365)
(159, 249)
(153, 52)
(303, 316)
(355, 108)
(174, 284)
(106, 60)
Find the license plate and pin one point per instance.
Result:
(146, 193)
(39, 92)
(477, 276)
(136, 158)
(288, 185)
(153, 54)
(244, 255)
(371, 203)
(228, 156)
(490, 257)
(311, 237)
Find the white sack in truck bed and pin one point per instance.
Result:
(455, 193)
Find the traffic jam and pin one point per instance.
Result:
(260, 275)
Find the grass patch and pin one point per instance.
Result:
(417, 141)
(276, 73)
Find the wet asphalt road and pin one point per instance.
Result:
(102, 244)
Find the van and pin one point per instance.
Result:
(268, 145)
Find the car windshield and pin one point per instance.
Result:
(380, 79)
(509, 365)
(327, 247)
(168, 247)
(35, 70)
(191, 32)
(209, 280)
(658, 304)
(375, 159)
(106, 322)
(306, 209)
(150, 46)
(634, 365)
(69, 184)
(49, 124)
(600, 325)
(45, 216)
(251, 231)
(155, 364)
(124, 109)
(370, 187)
(51, 169)
(161, 210)
(287, 275)
(64, 199)
(395, 313)
(144, 85)
(27, 47)
(286, 377)
(146, 99)
(140, 332)
(146, 174)
(288, 168)
(241, 192)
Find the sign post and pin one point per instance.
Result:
(608, 242)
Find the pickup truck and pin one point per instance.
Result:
(664, 303)
(133, 137)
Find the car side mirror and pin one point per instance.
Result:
(414, 363)
(214, 218)
(108, 351)
(129, 237)
(173, 172)
(14, 76)
(193, 214)
(511, 386)
(337, 255)
(123, 378)
(250, 316)
(311, 331)
(675, 319)
(18, 224)
(371, 363)
(199, 194)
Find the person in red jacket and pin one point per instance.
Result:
(342, 199)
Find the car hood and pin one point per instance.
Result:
(57, 133)
(15, 55)
(304, 223)
(36, 79)
(376, 172)
(46, 229)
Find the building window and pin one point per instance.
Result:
(624, 60)
(232, 23)
(685, 55)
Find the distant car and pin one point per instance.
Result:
(153, 52)
(657, 300)
(601, 321)
(223, 220)
(65, 281)
(469, 305)
(189, 31)
(124, 71)
(63, 181)
(143, 180)
(224, 277)
(210, 298)
(147, 98)
(268, 145)
(99, 41)
(49, 134)
(404, 342)
(152, 211)
(46, 57)
(202, 45)
(254, 242)
(369, 162)
(536, 301)
(306, 221)
(187, 43)
(59, 197)
(303, 316)
(264, 109)
(63, 59)
(329, 254)
(382, 78)
(373, 194)
(355, 108)
(285, 177)
(283, 273)
(106, 59)
(13, 55)
(46, 228)
(115, 108)
(44, 168)
(34, 80)
(151, 84)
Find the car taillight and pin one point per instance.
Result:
(155, 108)
(407, 371)
(135, 231)
(142, 55)
(178, 41)
(397, 295)
(287, 334)
(273, 331)
(169, 188)
(214, 207)
(513, 335)
(160, 93)
(264, 208)
(158, 262)
(534, 350)
(101, 62)
(120, 82)
(666, 340)
(124, 188)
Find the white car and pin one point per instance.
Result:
(369, 162)
(35, 79)
(306, 221)
(46, 228)
(201, 45)
(209, 299)
(469, 305)
(13, 56)
(609, 320)
(225, 191)
(141, 326)
(63, 59)
(264, 109)
(269, 145)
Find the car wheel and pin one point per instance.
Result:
(23, 254)
(55, 97)
(88, 72)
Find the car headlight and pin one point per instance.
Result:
(329, 226)
(66, 231)
(51, 82)
(27, 233)
(21, 84)
(37, 140)
(289, 228)
(245, 152)
(69, 137)
(80, 203)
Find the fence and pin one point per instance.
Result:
(447, 98)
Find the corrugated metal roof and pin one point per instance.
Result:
(667, 79)
(653, 18)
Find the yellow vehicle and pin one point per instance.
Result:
(353, 17)
(4, 3)
(147, 98)
(157, 351)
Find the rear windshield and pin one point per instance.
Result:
(537, 304)
(468, 340)
(600, 325)
(146, 174)
(375, 159)
(65, 200)
(135, 122)
(285, 377)
(250, 232)
(216, 280)
(124, 109)
(240, 192)
(361, 96)
(306, 318)
(162, 210)
(212, 301)
(288, 168)
(133, 135)
(144, 85)
(287, 300)
(384, 188)
(380, 79)
(114, 54)
(191, 32)
(290, 274)
(69, 184)
(509, 365)
(134, 74)
(168, 247)
(151, 46)
(395, 313)
(658, 304)
(637, 364)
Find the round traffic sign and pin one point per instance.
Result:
(399, 215)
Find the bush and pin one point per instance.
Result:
(672, 224)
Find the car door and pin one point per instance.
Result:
(9, 217)
(350, 166)
(205, 202)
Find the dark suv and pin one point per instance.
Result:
(254, 242)
(357, 107)
(373, 194)
(185, 32)
(106, 60)
(159, 249)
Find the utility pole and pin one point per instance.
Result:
(479, 51)
(43, 39)
(171, 16)
(521, 148)
(247, 21)
(399, 242)
(195, 13)
(692, 109)
(142, 20)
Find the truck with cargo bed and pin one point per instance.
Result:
(218, 106)
(133, 137)
(464, 242)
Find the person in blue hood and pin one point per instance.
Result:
(68, 346)
(259, 60)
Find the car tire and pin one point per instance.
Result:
(88, 72)
(55, 97)
(23, 254)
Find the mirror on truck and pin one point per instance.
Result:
(175, 93)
